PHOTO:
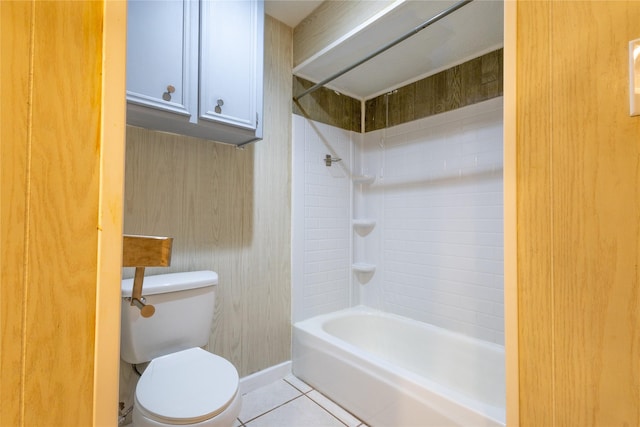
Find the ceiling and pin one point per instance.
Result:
(291, 12)
(469, 32)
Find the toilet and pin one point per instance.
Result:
(182, 384)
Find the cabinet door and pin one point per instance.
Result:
(160, 40)
(231, 61)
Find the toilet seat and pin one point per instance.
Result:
(186, 387)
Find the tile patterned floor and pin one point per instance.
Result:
(292, 403)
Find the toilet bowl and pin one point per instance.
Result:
(192, 387)
(183, 384)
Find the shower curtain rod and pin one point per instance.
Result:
(416, 30)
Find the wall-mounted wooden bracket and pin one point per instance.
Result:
(141, 252)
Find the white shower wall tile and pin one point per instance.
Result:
(322, 215)
(437, 203)
(437, 198)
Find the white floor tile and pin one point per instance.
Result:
(266, 398)
(302, 412)
(336, 410)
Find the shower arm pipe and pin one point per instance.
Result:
(386, 47)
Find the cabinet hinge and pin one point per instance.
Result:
(256, 120)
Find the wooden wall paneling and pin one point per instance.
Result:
(112, 149)
(329, 22)
(595, 210)
(60, 309)
(53, 246)
(16, 21)
(237, 237)
(375, 114)
(195, 191)
(401, 105)
(268, 291)
(473, 81)
(535, 256)
(578, 209)
(327, 106)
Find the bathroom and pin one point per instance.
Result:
(250, 233)
(238, 211)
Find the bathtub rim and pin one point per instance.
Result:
(314, 327)
(366, 310)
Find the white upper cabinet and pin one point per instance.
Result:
(196, 67)
(228, 70)
(158, 48)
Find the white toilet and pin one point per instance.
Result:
(183, 384)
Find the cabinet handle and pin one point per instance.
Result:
(167, 95)
(219, 105)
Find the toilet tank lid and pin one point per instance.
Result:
(172, 282)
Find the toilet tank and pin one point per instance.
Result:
(184, 306)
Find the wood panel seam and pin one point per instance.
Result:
(551, 216)
(27, 228)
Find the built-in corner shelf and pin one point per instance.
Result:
(364, 179)
(363, 226)
(364, 223)
(363, 267)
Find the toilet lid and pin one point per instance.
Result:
(188, 386)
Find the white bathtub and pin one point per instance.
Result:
(395, 372)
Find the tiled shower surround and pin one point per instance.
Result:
(321, 217)
(437, 202)
(437, 205)
(434, 151)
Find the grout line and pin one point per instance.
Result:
(303, 392)
(344, 409)
(326, 410)
(273, 409)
